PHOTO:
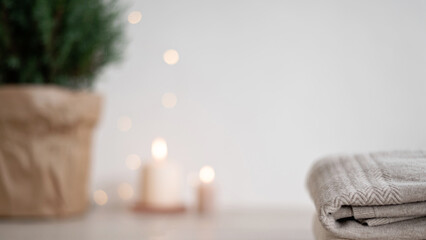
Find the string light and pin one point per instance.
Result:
(124, 123)
(171, 56)
(125, 191)
(134, 17)
(100, 197)
(169, 100)
(133, 161)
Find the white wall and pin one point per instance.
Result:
(264, 88)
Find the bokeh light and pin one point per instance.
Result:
(133, 161)
(207, 174)
(134, 17)
(171, 56)
(125, 191)
(124, 123)
(100, 197)
(159, 149)
(169, 100)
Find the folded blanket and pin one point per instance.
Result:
(371, 196)
(321, 233)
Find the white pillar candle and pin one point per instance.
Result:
(162, 180)
(206, 191)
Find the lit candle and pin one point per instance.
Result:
(206, 198)
(161, 181)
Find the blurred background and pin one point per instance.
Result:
(260, 90)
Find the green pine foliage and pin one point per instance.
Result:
(62, 42)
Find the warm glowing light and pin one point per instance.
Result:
(100, 197)
(169, 100)
(134, 17)
(124, 123)
(133, 161)
(125, 191)
(206, 174)
(159, 149)
(171, 56)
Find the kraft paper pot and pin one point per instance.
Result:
(45, 148)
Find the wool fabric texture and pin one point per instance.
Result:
(370, 196)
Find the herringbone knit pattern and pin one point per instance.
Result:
(353, 193)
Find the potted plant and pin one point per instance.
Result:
(50, 54)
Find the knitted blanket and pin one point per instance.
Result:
(370, 196)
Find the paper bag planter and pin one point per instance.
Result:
(45, 148)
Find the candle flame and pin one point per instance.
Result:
(159, 149)
(207, 174)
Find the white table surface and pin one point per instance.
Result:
(118, 223)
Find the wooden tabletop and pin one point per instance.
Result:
(120, 223)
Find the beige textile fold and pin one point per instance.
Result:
(370, 196)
